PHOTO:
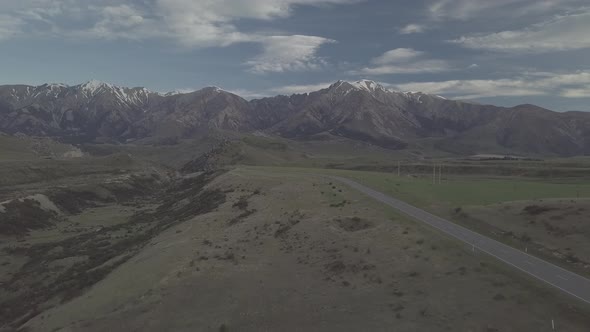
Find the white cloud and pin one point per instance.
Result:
(418, 67)
(470, 9)
(292, 89)
(192, 23)
(9, 26)
(211, 23)
(403, 61)
(571, 85)
(576, 93)
(249, 94)
(567, 32)
(412, 28)
(472, 89)
(121, 21)
(288, 53)
(396, 56)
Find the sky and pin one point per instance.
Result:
(502, 52)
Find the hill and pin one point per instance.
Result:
(363, 111)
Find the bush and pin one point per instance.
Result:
(536, 209)
(23, 216)
(525, 238)
(572, 258)
(242, 203)
(341, 204)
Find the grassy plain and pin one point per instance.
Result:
(292, 252)
(268, 243)
(547, 216)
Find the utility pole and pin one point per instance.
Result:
(434, 174)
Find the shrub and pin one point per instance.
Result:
(536, 209)
(22, 216)
(241, 204)
(525, 238)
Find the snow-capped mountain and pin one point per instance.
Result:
(129, 96)
(362, 110)
(93, 108)
(367, 111)
(85, 91)
(363, 85)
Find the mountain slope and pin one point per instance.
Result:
(190, 114)
(93, 109)
(362, 110)
(367, 111)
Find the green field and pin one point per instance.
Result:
(460, 190)
(545, 215)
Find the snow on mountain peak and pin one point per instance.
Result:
(47, 89)
(418, 94)
(364, 85)
(52, 86)
(94, 86)
(129, 96)
(367, 85)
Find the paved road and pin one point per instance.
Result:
(566, 281)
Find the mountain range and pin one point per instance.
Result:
(362, 110)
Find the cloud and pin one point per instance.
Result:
(403, 61)
(115, 22)
(471, 9)
(396, 56)
(571, 85)
(191, 23)
(9, 26)
(212, 23)
(576, 93)
(288, 53)
(195, 23)
(293, 89)
(473, 89)
(249, 94)
(419, 67)
(412, 28)
(566, 32)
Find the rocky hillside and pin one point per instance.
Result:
(369, 112)
(362, 110)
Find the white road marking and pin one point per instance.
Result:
(562, 277)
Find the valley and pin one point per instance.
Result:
(281, 249)
(294, 166)
(232, 224)
(130, 235)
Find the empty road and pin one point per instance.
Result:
(558, 277)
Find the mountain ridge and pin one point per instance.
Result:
(362, 110)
